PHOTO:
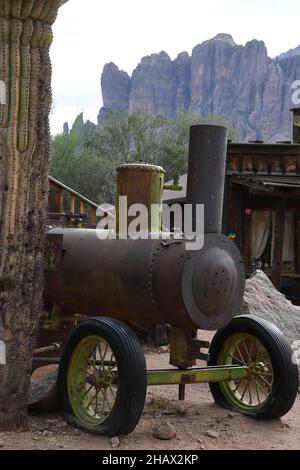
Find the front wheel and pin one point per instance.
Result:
(271, 386)
(102, 378)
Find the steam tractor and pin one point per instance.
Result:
(104, 286)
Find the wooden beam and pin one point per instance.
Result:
(297, 246)
(234, 214)
(72, 204)
(59, 201)
(278, 243)
(93, 216)
(248, 242)
(82, 207)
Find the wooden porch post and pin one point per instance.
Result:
(278, 243)
(59, 201)
(72, 204)
(93, 215)
(297, 246)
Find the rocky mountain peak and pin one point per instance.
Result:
(291, 53)
(80, 126)
(224, 38)
(220, 77)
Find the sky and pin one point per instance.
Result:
(90, 33)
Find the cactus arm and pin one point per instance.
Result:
(25, 39)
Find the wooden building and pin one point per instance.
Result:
(262, 207)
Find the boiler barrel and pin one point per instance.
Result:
(151, 281)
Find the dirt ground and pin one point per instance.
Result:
(193, 420)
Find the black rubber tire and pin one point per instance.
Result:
(286, 375)
(132, 376)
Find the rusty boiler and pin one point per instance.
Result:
(154, 281)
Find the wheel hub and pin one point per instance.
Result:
(101, 379)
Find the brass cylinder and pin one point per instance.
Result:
(141, 184)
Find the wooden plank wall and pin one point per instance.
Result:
(264, 159)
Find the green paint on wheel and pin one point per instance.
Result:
(251, 393)
(92, 381)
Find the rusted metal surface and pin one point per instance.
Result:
(180, 347)
(141, 184)
(206, 174)
(147, 280)
(213, 282)
(154, 281)
(54, 250)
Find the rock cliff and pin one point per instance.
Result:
(220, 77)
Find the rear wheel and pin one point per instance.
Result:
(271, 387)
(102, 378)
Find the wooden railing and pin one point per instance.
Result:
(68, 207)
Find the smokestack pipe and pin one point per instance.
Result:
(296, 125)
(206, 173)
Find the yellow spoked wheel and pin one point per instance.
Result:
(102, 378)
(271, 385)
(92, 380)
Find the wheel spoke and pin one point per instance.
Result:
(236, 359)
(94, 361)
(112, 362)
(261, 388)
(251, 349)
(113, 392)
(105, 352)
(237, 386)
(250, 394)
(103, 403)
(86, 392)
(263, 378)
(100, 352)
(244, 392)
(96, 406)
(245, 346)
(90, 402)
(105, 398)
(240, 355)
(257, 392)
(258, 353)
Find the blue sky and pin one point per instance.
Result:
(90, 33)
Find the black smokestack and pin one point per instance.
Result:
(206, 173)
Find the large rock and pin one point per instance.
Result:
(83, 127)
(43, 390)
(115, 86)
(220, 77)
(154, 85)
(182, 65)
(264, 301)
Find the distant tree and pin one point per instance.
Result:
(88, 162)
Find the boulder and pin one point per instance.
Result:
(263, 300)
(43, 391)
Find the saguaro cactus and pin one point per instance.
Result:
(25, 77)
